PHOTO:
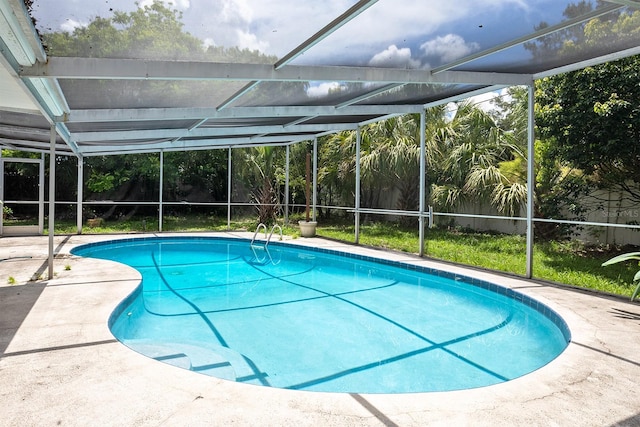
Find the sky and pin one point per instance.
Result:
(435, 31)
(385, 35)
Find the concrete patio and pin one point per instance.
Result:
(60, 365)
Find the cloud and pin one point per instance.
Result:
(483, 101)
(70, 25)
(250, 41)
(208, 42)
(394, 57)
(448, 48)
(236, 11)
(178, 4)
(281, 25)
(323, 89)
(408, 23)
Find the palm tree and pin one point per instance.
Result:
(336, 171)
(475, 156)
(394, 157)
(469, 160)
(265, 194)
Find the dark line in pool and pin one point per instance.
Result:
(435, 346)
(170, 357)
(260, 375)
(192, 305)
(211, 366)
(273, 304)
(227, 284)
(215, 331)
(411, 331)
(231, 241)
(151, 267)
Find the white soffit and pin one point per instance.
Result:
(12, 96)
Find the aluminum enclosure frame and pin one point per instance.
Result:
(84, 132)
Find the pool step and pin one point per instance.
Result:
(195, 358)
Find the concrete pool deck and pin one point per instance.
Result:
(60, 365)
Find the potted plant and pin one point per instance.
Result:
(307, 227)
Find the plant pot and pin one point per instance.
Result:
(307, 228)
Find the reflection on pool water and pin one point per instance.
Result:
(299, 318)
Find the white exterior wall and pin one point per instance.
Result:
(614, 208)
(507, 226)
(604, 206)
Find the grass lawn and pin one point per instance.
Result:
(569, 262)
(563, 262)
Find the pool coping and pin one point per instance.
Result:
(61, 364)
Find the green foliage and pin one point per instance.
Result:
(6, 211)
(196, 176)
(589, 119)
(392, 157)
(575, 264)
(627, 257)
(559, 187)
(620, 27)
(462, 157)
(122, 177)
(151, 32)
(592, 115)
(471, 148)
(100, 182)
(336, 169)
(263, 174)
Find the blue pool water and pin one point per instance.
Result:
(307, 319)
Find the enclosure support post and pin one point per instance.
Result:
(80, 194)
(41, 197)
(2, 194)
(286, 188)
(161, 189)
(530, 180)
(229, 189)
(52, 196)
(423, 168)
(315, 179)
(357, 210)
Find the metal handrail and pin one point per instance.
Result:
(271, 234)
(261, 225)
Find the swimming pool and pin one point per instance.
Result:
(305, 319)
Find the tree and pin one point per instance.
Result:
(620, 28)
(391, 159)
(593, 118)
(336, 169)
(559, 187)
(195, 176)
(472, 149)
(131, 177)
(261, 175)
(150, 32)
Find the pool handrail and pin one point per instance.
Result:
(267, 239)
(261, 225)
(271, 234)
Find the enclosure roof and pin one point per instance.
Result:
(120, 76)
